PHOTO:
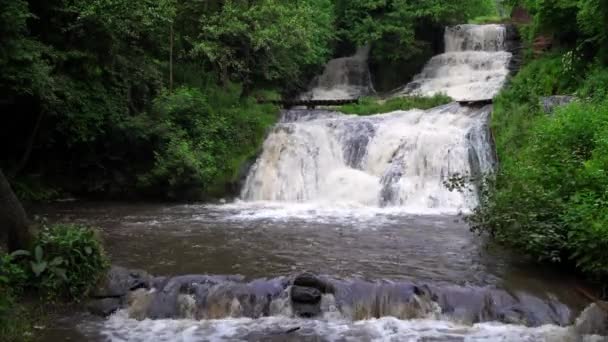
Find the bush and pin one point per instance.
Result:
(550, 199)
(370, 105)
(202, 140)
(12, 280)
(67, 261)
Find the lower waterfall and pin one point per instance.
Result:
(400, 159)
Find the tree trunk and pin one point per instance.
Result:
(13, 220)
(171, 60)
(30, 145)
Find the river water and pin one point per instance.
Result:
(266, 240)
(359, 201)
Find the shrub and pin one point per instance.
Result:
(550, 198)
(202, 140)
(67, 261)
(370, 105)
(12, 280)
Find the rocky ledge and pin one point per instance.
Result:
(308, 295)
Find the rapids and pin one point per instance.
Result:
(474, 66)
(359, 201)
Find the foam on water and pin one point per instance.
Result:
(343, 78)
(399, 160)
(121, 328)
(473, 68)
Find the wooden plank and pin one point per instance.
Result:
(310, 103)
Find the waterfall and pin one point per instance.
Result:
(343, 78)
(473, 68)
(399, 159)
(396, 160)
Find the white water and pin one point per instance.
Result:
(473, 68)
(120, 328)
(343, 78)
(322, 163)
(396, 160)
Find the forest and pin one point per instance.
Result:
(148, 98)
(167, 100)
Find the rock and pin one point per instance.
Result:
(310, 280)
(139, 302)
(592, 321)
(306, 310)
(104, 307)
(119, 281)
(308, 295)
(549, 103)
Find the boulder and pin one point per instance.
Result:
(310, 280)
(593, 320)
(549, 103)
(105, 306)
(308, 295)
(306, 310)
(119, 281)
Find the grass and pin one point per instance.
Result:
(491, 19)
(370, 105)
(21, 321)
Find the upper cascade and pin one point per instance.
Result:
(343, 78)
(473, 68)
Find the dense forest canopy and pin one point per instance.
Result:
(157, 98)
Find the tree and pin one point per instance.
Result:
(20, 234)
(265, 41)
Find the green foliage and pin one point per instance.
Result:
(391, 25)
(491, 19)
(32, 189)
(549, 197)
(370, 105)
(519, 103)
(196, 135)
(573, 23)
(67, 261)
(14, 322)
(266, 40)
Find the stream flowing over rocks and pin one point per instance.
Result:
(274, 308)
(344, 231)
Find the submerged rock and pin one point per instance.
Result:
(104, 307)
(311, 280)
(119, 281)
(593, 321)
(301, 294)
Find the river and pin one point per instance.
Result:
(359, 201)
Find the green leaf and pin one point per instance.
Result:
(60, 272)
(20, 252)
(38, 253)
(38, 267)
(56, 261)
(88, 250)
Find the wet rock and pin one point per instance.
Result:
(549, 103)
(308, 295)
(104, 307)
(592, 321)
(307, 310)
(119, 281)
(139, 302)
(310, 280)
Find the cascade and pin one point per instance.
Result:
(343, 78)
(473, 68)
(398, 160)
